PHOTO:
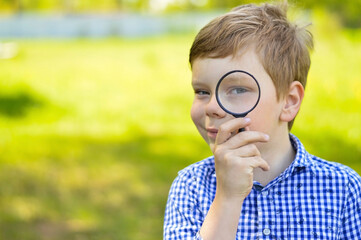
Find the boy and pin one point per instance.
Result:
(261, 183)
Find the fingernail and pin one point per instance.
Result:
(266, 136)
(247, 120)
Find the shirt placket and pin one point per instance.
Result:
(265, 208)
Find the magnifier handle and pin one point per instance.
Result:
(241, 130)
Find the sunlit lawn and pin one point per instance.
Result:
(101, 128)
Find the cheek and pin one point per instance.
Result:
(265, 117)
(260, 122)
(196, 113)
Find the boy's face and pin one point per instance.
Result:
(206, 113)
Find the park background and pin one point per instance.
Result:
(95, 126)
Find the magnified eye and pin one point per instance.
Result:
(238, 90)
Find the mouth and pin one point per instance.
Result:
(212, 133)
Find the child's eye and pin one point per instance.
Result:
(201, 92)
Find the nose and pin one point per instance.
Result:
(213, 109)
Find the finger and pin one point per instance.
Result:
(245, 138)
(258, 162)
(247, 151)
(226, 129)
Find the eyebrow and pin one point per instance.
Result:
(199, 81)
(198, 84)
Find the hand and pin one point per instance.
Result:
(236, 156)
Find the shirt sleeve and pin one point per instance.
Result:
(182, 218)
(352, 212)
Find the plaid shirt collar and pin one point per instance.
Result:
(302, 159)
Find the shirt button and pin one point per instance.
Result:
(266, 231)
(265, 193)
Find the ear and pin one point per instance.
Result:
(292, 102)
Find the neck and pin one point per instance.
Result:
(279, 154)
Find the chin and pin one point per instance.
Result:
(211, 146)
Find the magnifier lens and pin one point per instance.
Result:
(238, 93)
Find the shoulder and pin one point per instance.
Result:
(336, 171)
(195, 176)
(193, 180)
(199, 169)
(323, 169)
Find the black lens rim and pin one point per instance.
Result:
(243, 114)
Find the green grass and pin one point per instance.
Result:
(100, 131)
(103, 126)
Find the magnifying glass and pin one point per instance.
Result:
(238, 93)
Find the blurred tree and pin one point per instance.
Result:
(18, 5)
(348, 11)
(15, 5)
(68, 6)
(119, 4)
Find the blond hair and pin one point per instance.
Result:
(283, 47)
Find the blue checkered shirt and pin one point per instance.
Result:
(311, 199)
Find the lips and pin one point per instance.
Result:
(212, 132)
